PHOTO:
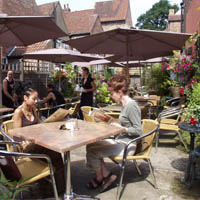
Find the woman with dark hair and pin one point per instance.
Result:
(130, 120)
(89, 87)
(26, 115)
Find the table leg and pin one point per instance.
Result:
(192, 137)
(68, 192)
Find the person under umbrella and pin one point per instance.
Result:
(89, 87)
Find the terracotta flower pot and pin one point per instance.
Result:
(175, 91)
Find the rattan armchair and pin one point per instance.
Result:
(145, 142)
(30, 166)
(168, 120)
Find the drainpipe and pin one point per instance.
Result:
(182, 4)
(54, 19)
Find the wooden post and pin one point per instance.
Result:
(21, 71)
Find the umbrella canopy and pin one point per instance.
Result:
(26, 30)
(143, 63)
(131, 44)
(98, 62)
(60, 56)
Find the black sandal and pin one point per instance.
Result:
(90, 185)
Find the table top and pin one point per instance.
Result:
(50, 136)
(189, 127)
(116, 108)
(2, 110)
(112, 108)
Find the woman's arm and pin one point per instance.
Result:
(91, 89)
(17, 118)
(48, 97)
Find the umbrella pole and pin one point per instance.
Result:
(127, 59)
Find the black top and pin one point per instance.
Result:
(10, 87)
(87, 98)
(59, 99)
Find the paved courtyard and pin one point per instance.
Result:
(169, 164)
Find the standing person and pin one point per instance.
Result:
(9, 99)
(89, 87)
(130, 119)
(26, 115)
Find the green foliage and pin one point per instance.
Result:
(103, 95)
(156, 17)
(193, 102)
(65, 79)
(10, 188)
(159, 81)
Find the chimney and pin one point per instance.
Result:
(171, 12)
(66, 8)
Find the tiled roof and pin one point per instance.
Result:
(112, 10)
(39, 46)
(78, 23)
(19, 7)
(47, 9)
(19, 51)
(174, 18)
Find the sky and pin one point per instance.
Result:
(138, 7)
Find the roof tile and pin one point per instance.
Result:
(19, 7)
(79, 23)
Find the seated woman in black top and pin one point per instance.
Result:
(54, 98)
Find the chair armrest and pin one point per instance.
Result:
(28, 155)
(136, 140)
(11, 143)
(6, 116)
(170, 101)
(5, 135)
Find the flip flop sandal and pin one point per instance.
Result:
(108, 182)
(91, 185)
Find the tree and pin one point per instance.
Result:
(156, 17)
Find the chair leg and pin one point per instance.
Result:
(137, 167)
(152, 173)
(53, 180)
(120, 182)
(181, 138)
(157, 139)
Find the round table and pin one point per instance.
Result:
(192, 129)
(190, 174)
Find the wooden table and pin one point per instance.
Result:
(152, 98)
(50, 136)
(2, 110)
(112, 108)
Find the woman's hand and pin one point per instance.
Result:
(118, 125)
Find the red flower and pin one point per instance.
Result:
(193, 121)
(182, 91)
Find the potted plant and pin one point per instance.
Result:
(181, 69)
